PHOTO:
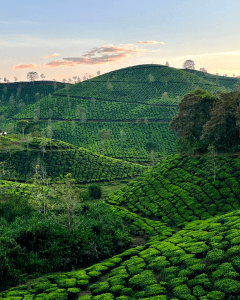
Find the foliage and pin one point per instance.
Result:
(95, 191)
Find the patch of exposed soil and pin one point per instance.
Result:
(138, 241)
(176, 228)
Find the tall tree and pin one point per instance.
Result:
(223, 127)
(69, 198)
(104, 134)
(21, 125)
(212, 160)
(193, 113)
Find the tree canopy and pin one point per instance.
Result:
(204, 118)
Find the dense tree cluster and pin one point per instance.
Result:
(205, 119)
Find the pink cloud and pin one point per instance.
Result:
(150, 42)
(24, 66)
(52, 55)
(109, 54)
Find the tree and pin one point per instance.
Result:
(223, 127)
(69, 196)
(109, 86)
(104, 134)
(11, 100)
(36, 113)
(189, 64)
(33, 128)
(42, 76)
(151, 78)
(64, 80)
(22, 124)
(5, 90)
(212, 160)
(164, 96)
(203, 70)
(43, 142)
(236, 87)
(153, 157)
(75, 78)
(54, 85)
(41, 191)
(5, 79)
(167, 64)
(98, 73)
(81, 113)
(123, 136)
(49, 132)
(27, 140)
(15, 78)
(32, 76)
(193, 113)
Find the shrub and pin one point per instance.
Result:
(198, 291)
(216, 295)
(182, 291)
(95, 191)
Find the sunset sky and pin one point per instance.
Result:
(62, 39)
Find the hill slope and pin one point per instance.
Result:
(64, 158)
(181, 189)
(123, 100)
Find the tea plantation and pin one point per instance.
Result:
(170, 233)
(135, 104)
(63, 158)
(191, 221)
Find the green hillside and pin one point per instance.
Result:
(62, 158)
(170, 233)
(122, 100)
(182, 189)
(16, 96)
(190, 221)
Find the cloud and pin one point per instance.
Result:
(24, 66)
(150, 42)
(52, 55)
(108, 54)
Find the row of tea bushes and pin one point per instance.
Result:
(142, 226)
(84, 165)
(199, 262)
(132, 146)
(181, 189)
(66, 109)
(26, 93)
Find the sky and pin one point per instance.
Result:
(61, 39)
